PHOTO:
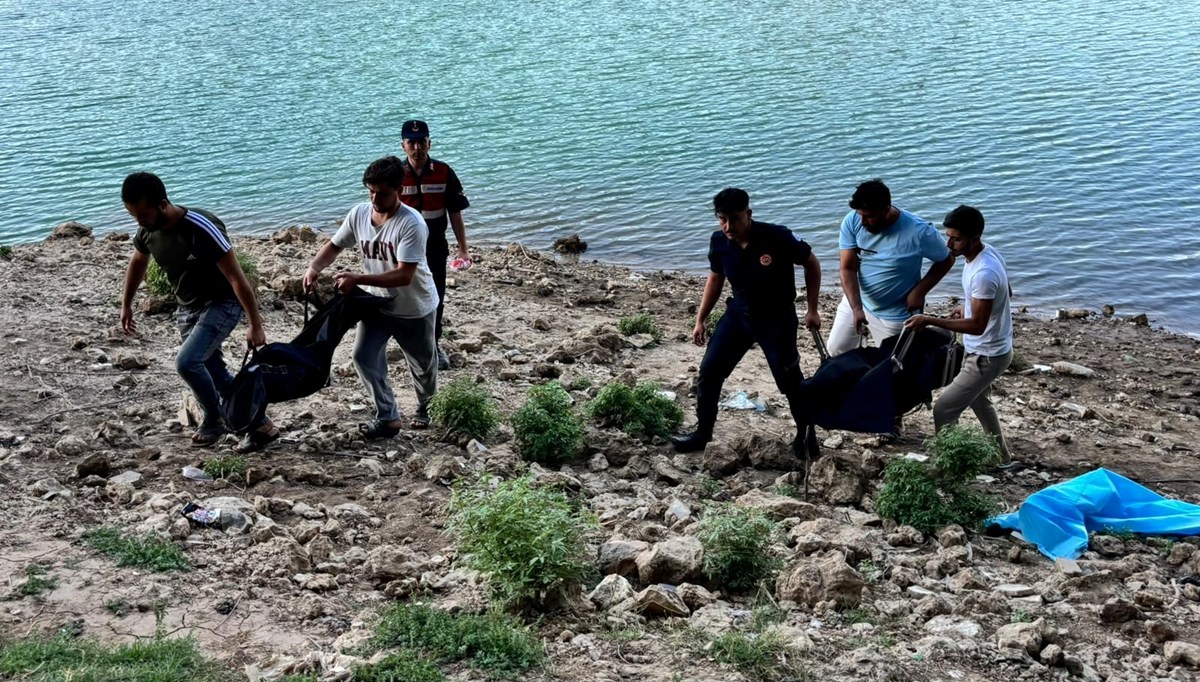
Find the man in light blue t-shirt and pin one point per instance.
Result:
(882, 251)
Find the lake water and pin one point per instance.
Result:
(1074, 125)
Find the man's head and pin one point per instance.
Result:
(415, 140)
(383, 179)
(732, 208)
(873, 202)
(964, 230)
(145, 198)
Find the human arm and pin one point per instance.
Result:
(849, 273)
(812, 291)
(134, 274)
(399, 276)
(712, 293)
(916, 295)
(460, 234)
(229, 266)
(981, 312)
(324, 258)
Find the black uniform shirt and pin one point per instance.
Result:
(762, 275)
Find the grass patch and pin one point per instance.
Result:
(1122, 534)
(640, 324)
(928, 497)
(710, 324)
(225, 466)
(36, 582)
(788, 490)
(465, 408)
(61, 658)
(118, 607)
(757, 655)
(638, 411)
(737, 542)
(405, 666)
(870, 572)
(493, 643)
(6, 252)
(159, 284)
(141, 552)
(529, 540)
(546, 428)
(709, 487)
(579, 384)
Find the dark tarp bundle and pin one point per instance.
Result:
(1057, 519)
(279, 372)
(866, 388)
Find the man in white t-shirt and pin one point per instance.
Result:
(984, 320)
(391, 238)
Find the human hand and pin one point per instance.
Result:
(915, 301)
(699, 334)
(128, 325)
(256, 336)
(345, 281)
(310, 279)
(812, 320)
(957, 313)
(860, 322)
(917, 322)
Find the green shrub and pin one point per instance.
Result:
(580, 383)
(737, 546)
(546, 428)
(6, 252)
(141, 552)
(638, 411)
(928, 497)
(401, 667)
(640, 324)
(528, 539)
(36, 582)
(493, 642)
(710, 324)
(63, 657)
(465, 408)
(758, 655)
(225, 466)
(158, 284)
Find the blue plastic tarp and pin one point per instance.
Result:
(1058, 519)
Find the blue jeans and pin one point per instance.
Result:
(200, 361)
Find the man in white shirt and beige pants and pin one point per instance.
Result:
(984, 320)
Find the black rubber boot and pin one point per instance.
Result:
(691, 442)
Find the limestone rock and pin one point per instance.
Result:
(661, 600)
(73, 446)
(720, 459)
(1026, 637)
(952, 536)
(838, 478)
(1117, 610)
(673, 561)
(952, 626)
(1182, 652)
(95, 464)
(821, 579)
(695, 596)
(390, 562)
(620, 556)
(611, 591)
(765, 452)
(130, 478)
(69, 230)
(777, 507)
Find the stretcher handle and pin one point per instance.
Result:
(820, 344)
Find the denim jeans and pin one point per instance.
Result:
(200, 361)
(736, 332)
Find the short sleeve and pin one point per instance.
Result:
(210, 242)
(345, 237)
(985, 285)
(933, 248)
(798, 249)
(714, 257)
(456, 198)
(139, 241)
(848, 234)
(412, 237)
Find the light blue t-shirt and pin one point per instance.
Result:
(890, 262)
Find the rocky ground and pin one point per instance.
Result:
(92, 434)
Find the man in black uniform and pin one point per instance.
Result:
(758, 259)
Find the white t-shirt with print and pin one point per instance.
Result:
(400, 240)
(986, 278)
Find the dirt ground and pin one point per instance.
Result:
(516, 319)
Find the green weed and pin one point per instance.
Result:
(36, 582)
(737, 543)
(529, 540)
(225, 466)
(709, 486)
(640, 324)
(465, 408)
(6, 252)
(158, 284)
(141, 552)
(547, 429)
(62, 657)
(638, 411)
(118, 607)
(405, 666)
(493, 642)
(757, 655)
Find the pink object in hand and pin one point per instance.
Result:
(461, 263)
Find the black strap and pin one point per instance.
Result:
(820, 344)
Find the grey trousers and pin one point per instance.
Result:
(415, 337)
(972, 388)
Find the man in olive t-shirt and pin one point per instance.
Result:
(192, 248)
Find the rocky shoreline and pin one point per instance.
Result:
(92, 433)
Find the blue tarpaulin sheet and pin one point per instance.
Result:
(1058, 519)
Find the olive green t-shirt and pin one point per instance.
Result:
(188, 254)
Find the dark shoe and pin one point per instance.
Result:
(377, 429)
(256, 440)
(690, 442)
(207, 434)
(443, 359)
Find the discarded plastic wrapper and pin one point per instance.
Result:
(461, 264)
(741, 401)
(201, 516)
(196, 474)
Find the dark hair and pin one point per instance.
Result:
(871, 195)
(143, 187)
(731, 200)
(386, 171)
(965, 219)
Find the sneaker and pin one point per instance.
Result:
(690, 442)
(443, 359)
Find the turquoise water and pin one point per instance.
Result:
(1073, 125)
